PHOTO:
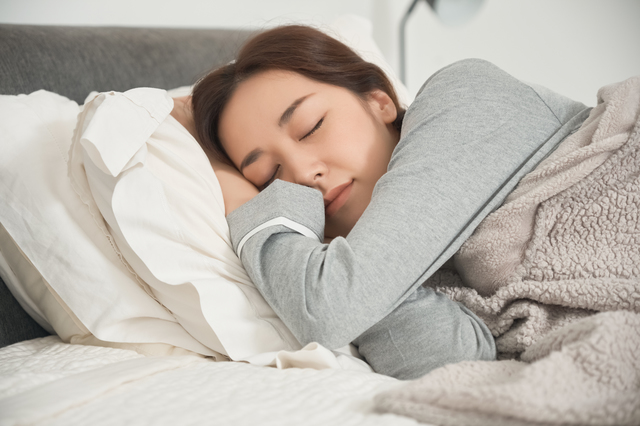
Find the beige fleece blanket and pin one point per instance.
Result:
(555, 274)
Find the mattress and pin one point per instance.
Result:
(47, 382)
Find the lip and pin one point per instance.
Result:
(336, 198)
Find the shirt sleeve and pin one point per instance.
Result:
(471, 134)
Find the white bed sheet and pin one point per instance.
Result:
(47, 382)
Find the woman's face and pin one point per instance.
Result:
(281, 125)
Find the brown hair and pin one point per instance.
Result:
(296, 48)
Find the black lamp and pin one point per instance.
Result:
(450, 12)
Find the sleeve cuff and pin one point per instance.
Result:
(297, 207)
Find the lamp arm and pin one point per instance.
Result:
(445, 10)
(403, 25)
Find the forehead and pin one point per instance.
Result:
(268, 94)
(257, 104)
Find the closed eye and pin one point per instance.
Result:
(316, 127)
(271, 179)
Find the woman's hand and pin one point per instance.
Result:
(236, 190)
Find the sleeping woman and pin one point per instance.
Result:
(341, 204)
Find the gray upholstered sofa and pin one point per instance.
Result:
(73, 61)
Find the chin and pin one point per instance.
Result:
(343, 222)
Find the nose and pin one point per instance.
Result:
(309, 172)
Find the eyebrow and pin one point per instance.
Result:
(253, 156)
(288, 113)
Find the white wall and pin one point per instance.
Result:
(178, 13)
(571, 46)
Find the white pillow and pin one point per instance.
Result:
(59, 261)
(162, 203)
(157, 192)
(21, 278)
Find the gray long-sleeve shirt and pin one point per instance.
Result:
(471, 134)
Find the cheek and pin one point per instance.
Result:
(356, 142)
(370, 158)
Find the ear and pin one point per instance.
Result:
(382, 106)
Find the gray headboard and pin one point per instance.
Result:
(73, 61)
